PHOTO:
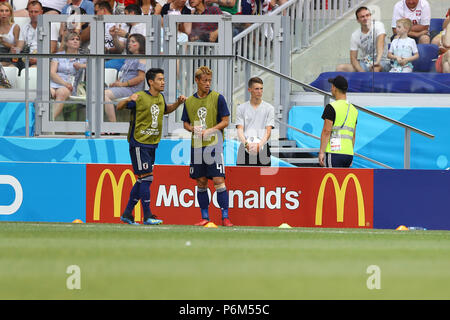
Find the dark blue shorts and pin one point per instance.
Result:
(338, 160)
(142, 159)
(206, 162)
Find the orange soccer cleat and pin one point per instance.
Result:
(202, 222)
(227, 223)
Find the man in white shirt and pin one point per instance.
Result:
(419, 12)
(254, 122)
(28, 33)
(370, 41)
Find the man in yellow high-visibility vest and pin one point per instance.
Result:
(338, 134)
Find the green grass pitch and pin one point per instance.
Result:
(187, 262)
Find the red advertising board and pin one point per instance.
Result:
(300, 197)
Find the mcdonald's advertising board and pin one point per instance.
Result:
(301, 197)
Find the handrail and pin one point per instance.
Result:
(317, 138)
(326, 94)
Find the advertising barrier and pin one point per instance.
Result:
(47, 192)
(300, 197)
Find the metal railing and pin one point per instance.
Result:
(306, 20)
(328, 97)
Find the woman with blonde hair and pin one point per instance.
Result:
(65, 73)
(9, 32)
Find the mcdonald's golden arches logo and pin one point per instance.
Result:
(340, 198)
(117, 190)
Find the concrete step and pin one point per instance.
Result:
(283, 143)
(278, 150)
(299, 161)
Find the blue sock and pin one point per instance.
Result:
(222, 200)
(144, 193)
(203, 201)
(133, 200)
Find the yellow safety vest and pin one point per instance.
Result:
(341, 140)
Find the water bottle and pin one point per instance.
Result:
(87, 132)
(417, 228)
(120, 7)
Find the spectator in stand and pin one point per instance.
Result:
(104, 8)
(437, 38)
(65, 73)
(119, 33)
(443, 62)
(28, 42)
(177, 7)
(257, 7)
(419, 12)
(149, 7)
(132, 77)
(204, 31)
(53, 6)
(369, 39)
(81, 28)
(230, 6)
(403, 50)
(88, 6)
(9, 33)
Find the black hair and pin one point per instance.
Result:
(134, 8)
(151, 73)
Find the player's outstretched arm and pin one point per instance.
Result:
(123, 103)
(172, 107)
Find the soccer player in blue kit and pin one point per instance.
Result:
(147, 112)
(206, 115)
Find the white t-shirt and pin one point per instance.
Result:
(54, 4)
(256, 120)
(420, 15)
(29, 35)
(404, 48)
(109, 42)
(365, 42)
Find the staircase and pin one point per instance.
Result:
(288, 151)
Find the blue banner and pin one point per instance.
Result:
(417, 198)
(12, 119)
(45, 192)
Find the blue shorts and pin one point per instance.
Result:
(206, 162)
(338, 160)
(142, 159)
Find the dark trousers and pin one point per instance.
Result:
(262, 159)
(337, 160)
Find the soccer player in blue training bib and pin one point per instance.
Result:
(206, 115)
(146, 122)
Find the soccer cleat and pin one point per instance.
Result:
(202, 223)
(128, 221)
(152, 221)
(227, 223)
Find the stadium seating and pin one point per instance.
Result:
(436, 24)
(32, 77)
(415, 82)
(428, 53)
(110, 77)
(20, 4)
(21, 21)
(12, 75)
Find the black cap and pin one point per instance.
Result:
(339, 82)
